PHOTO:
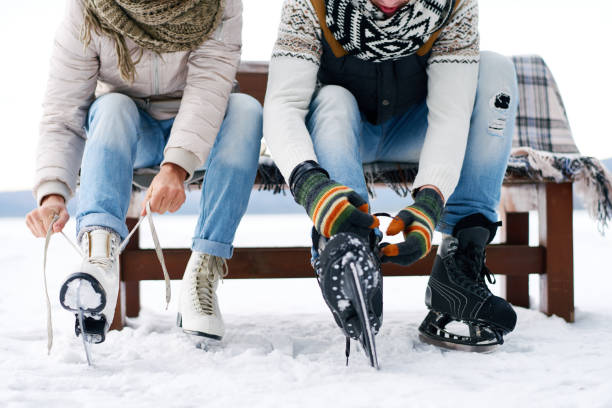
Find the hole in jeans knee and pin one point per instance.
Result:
(500, 104)
(502, 101)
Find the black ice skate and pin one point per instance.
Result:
(349, 275)
(457, 292)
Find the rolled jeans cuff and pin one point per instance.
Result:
(212, 248)
(106, 221)
(450, 219)
(445, 228)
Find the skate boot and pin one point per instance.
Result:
(91, 293)
(199, 313)
(348, 272)
(457, 292)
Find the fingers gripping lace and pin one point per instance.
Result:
(210, 268)
(104, 262)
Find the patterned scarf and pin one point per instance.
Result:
(156, 25)
(364, 32)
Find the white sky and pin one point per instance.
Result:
(572, 36)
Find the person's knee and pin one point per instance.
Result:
(242, 132)
(498, 81)
(115, 105)
(337, 98)
(334, 110)
(498, 98)
(109, 112)
(247, 113)
(246, 105)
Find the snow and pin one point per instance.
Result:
(282, 347)
(87, 298)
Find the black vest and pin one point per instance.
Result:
(382, 89)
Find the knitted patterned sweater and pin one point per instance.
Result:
(452, 80)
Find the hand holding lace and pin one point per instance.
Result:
(418, 223)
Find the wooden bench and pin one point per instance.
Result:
(552, 259)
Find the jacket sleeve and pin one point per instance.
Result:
(452, 81)
(291, 83)
(70, 91)
(211, 70)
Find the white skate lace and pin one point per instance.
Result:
(210, 268)
(101, 261)
(104, 263)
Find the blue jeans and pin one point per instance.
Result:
(343, 140)
(121, 137)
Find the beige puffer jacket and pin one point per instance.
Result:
(193, 86)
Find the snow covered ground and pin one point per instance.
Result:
(281, 346)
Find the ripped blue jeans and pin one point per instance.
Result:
(334, 111)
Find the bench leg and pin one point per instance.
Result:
(132, 298)
(119, 318)
(128, 302)
(555, 217)
(516, 288)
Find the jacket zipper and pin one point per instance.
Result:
(155, 74)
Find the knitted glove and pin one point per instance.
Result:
(418, 223)
(332, 207)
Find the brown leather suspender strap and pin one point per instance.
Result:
(319, 6)
(429, 44)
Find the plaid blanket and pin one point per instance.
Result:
(543, 150)
(541, 121)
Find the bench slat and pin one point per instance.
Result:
(249, 263)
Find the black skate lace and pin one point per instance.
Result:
(472, 270)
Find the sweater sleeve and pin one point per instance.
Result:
(292, 80)
(211, 70)
(73, 75)
(452, 81)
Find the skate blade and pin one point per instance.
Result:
(201, 340)
(367, 336)
(81, 324)
(485, 348)
(87, 340)
(204, 343)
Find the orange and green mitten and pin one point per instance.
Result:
(418, 223)
(332, 207)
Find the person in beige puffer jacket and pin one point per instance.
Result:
(136, 85)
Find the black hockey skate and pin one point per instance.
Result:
(349, 275)
(457, 292)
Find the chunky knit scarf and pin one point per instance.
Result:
(363, 31)
(156, 25)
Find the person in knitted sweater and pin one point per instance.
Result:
(359, 81)
(141, 84)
